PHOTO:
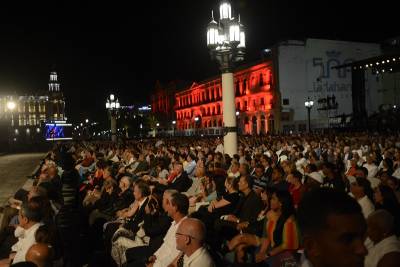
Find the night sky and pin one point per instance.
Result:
(98, 48)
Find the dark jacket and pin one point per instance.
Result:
(155, 227)
(132, 223)
(248, 207)
(181, 183)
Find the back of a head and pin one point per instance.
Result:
(383, 221)
(181, 202)
(196, 229)
(33, 209)
(40, 254)
(318, 204)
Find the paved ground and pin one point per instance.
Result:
(13, 171)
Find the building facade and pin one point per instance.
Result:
(198, 109)
(271, 94)
(32, 110)
(306, 70)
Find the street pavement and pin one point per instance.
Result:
(14, 169)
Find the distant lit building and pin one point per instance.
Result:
(345, 80)
(199, 108)
(32, 110)
(163, 101)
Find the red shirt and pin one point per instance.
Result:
(296, 194)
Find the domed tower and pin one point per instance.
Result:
(56, 103)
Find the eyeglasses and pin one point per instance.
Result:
(176, 235)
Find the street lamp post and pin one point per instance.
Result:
(173, 127)
(309, 104)
(11, 106)
(113, 106)
(226, 41)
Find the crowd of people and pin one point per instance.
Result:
(295, 200)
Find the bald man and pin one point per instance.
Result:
(386, 249)
(40, 254)
(190, 240)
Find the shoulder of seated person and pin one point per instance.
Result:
(291, 219)
(271, 215)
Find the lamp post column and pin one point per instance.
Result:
(113, 106)
(309, 104)
(229, 114)
(226, 41)
(113, 128)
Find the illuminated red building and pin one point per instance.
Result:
(199, 108)
(163, 101)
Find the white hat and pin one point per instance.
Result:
(316, 176)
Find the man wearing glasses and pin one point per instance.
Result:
(190, 240)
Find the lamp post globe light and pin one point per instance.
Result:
(113, 106)
(309, 104)
(226, 41)
(11, 106)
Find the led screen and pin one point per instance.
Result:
(58, 132)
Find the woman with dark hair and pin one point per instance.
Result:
(281, 231)
(386, 199)
(386, 170)
(361, 190)
(125, 238)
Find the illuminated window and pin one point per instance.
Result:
(32, 119)
(22, 120)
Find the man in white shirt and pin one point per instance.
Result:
(176, 205)
(220, 147)
(29, 217)
(371, 167)
(190, 240)
(386, 246)
(234, 170)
